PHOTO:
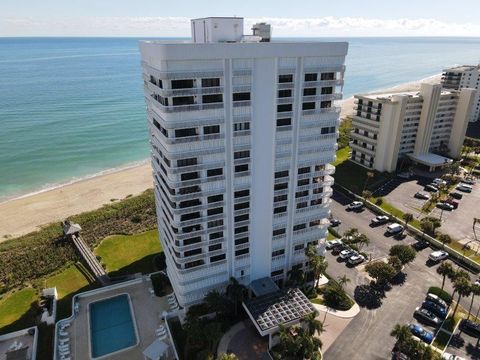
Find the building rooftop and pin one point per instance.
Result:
(263, 286)
(431, 159)
(19, 345)
(279, 307)
(389, 96)
(463, 68)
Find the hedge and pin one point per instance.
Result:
(442, 294)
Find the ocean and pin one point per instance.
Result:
(71, 108)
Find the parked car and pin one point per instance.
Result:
(426, 316)
(421, 333)
(330, 244)
(345, 254)
(356, 259)
(445, 206)
(452, 202)
(394, 228)
(379, 220)
(422, 195)
(456, 195)
(439, 182)
(465, 188)
(448, 356)
(337, 249)
(436, 309)
(436, 299)
(356, 205)
(398, 355)
(335, 222)
(469, 181)
(470, 327)
(420, 245)
(438, 255)
(477, 282)
(431, 188)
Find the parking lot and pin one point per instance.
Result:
(464, 345)
(375, 321)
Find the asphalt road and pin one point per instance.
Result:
(368, 334)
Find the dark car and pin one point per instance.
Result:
(438, 310)
(427, 317)
(431, 188)
(420, 245)
(470, 328)
(452, 202)
(456, 195)
(334, 222)
(421, 333)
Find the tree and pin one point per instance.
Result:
(312, 324)
(445, 269)
(405, 253)
(296, 276)
(396, 263)
(407, 217)
(401, 333)
(462, 287)
(352, 232)
(444, 239)
(236, 293)
(427, 227)
(318, 265)
(475, 291)
(343, 280)
(381, 272)
(361, 241)
(216, 303)
(366, 195)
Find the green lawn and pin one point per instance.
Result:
(330, 236)
(14, 305)
(68, 281)
(127, 254)
(342, 155)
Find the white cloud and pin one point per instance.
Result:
(282, 27)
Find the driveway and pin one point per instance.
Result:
(368, 334)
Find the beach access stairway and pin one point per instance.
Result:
(91, 260)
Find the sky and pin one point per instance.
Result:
(309, 18)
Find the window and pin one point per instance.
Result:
(299, 227)
(304, 170)
(244, 205)
(241, 229)
(211, 82)
(281, 186)
(328, 76)
(328, 130)
(183, 100)
(214, 172)
(308, 105)
(243, 96)
(215, 198)
(284, 122)
(284, 93)
(300, 194)
(189, 176)
(241, 241)
(216, 235)
(284, 107)
(187, 162)
(241, 193)
(276, 273)
(319, 167)
(299, 247)
(194, 264)
(278, 252)
(215, 247)
(239, 218)
(279, 210)
(326, 104)
(182, 84)
(241, 252)
(185, 132)
(215, 211)
(188, 190)
(285, 78)
(217, 258)
(212, 129)
(278, 232)
(189, 203)
(215, 223)
(281, 174)
(192, 241)
(190, 216)
(192, 252)
(215, 98)
(309, 91)
(327, 90)
(241, 154)
(241, 126)
(311, 77)
(303, 182)
(241, 168)
(301, 205)
(279, 198)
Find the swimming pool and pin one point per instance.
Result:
(111, 326)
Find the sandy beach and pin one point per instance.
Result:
(23, 215)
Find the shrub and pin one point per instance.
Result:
(336, 298)
(442, 294)
(379, 201)
(161, 284)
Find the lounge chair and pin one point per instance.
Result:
(65, 353)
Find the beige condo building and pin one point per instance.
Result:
(428, 127)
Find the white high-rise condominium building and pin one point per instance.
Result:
(242, 134)
(461, 77)
(427, 126)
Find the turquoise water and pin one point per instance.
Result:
(111, 326)
(73, 107)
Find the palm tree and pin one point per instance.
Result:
(296, 276)
(463, 288)
(407, 217)
(366, 195)
(236, 292)
(318, 265)
(401, 333)
(445, 269)
(312, 324)
(445, 239)
(475, 291)
(362, 240)
(343, 280)
(216, 302)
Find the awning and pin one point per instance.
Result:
(156, 350)
(430, 159)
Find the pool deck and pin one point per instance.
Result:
(147, 310)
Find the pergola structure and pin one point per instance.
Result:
(275, 307)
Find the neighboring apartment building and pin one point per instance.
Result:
(461, 77)
(242, 134)
(423, 126)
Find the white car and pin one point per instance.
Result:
(333, 243)
(394, 228)
(356, 205)
(469, 181)
(465, 188)
(434, 298)
(345, 254)
(437, 256)
(356, 259)
(439, 182)
(448, 356)
(380, 219)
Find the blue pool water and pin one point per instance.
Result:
(111, 326)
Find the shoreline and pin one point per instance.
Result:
(22, 214)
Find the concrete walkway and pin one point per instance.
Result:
(352, 312)
(225, 341)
